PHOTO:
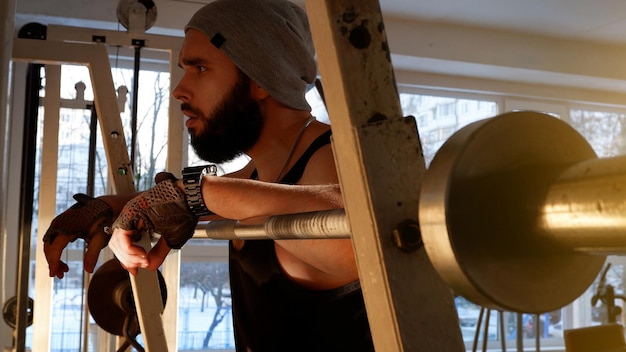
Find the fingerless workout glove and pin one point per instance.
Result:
(162, 209)
(85, 219)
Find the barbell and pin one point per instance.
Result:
(516, 213)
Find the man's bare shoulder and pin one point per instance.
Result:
(244, 172)
(321, 168)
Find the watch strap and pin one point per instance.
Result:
(192, 180)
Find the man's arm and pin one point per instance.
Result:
(242, 199)
(318, 263)
(313, 263)
(231, 198)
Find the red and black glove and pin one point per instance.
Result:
(87, 218)
(162, 209)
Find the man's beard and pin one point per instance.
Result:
(233, 127)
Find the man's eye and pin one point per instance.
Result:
(201, 68)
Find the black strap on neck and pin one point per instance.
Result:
(295, 173)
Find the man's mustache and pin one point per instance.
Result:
(190, 110)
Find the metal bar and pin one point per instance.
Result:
(113, 38)
(318, 225)
(7, 24)
(177, 147)
(501, 327)
(486, 330)
(91, 175)
(7, 20)
(47, 206)
(519, 335)
(134, 107)
(29, 150)
(91, 165)
(479, 324)
(380, 165)
(538, 332)
(146, 290)
(584, 208)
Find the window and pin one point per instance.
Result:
(204, 306)
(604, 130)
(437, 117)
(205, 320)
(437, 120)
(68, 301)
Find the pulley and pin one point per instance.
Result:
(128, 10)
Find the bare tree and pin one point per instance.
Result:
(210, 279)
(146, 166)
(603, 130)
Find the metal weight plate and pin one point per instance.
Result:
(110, 296)
(479, 207)
(9, 312)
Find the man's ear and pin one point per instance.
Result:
(257, 92)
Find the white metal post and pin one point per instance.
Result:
(380, 166)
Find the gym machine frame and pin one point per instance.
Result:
(394, 275)
(380, 165)
(55, 52)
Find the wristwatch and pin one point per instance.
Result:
(192, 179)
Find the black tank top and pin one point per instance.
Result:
(295, 173)
(271, 313)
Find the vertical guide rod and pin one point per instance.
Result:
(7, 19)
(91, 184)
(29, 149)
(134, 108)
(380, 165)
(42, 314)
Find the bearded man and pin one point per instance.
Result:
(247, 65)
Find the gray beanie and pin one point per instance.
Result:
(269, 40)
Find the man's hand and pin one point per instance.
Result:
(86, 219)
(162, 209)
